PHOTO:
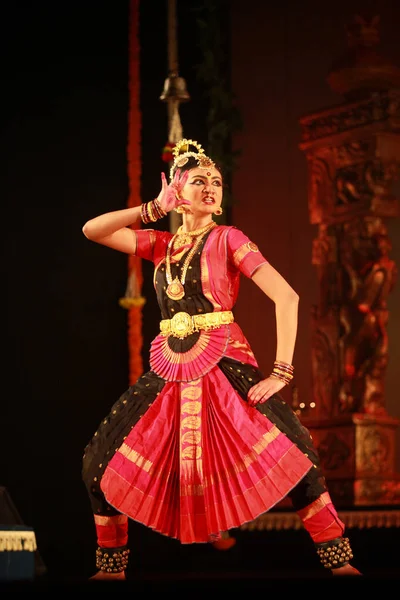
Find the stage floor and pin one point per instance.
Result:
(259, 559)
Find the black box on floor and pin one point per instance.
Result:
(17, 553)
(11, 519)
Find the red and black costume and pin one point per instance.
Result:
(181, 450)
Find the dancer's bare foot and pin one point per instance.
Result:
(224, 543)
(103, 576)
(346, 570)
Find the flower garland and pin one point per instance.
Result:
(133, 301)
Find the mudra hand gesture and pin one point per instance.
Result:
(170, 195)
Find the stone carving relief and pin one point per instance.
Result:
(374, 451)
(368, 275)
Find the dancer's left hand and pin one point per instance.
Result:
(263, 390)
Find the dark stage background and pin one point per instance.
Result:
(63, 143)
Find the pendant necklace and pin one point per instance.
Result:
(185, 237)
(175, 289)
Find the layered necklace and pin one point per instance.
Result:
(175, 289)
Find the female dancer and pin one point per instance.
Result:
(202, 443)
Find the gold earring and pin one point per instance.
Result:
(219, 211)
(179, 209)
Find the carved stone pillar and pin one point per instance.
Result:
(353, 154)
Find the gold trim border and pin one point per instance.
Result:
(363, 519)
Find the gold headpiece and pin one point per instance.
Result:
(181, 153)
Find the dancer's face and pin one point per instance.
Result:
(204, 191)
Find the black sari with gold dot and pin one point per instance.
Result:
(189, 457)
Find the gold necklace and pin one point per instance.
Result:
(185, 237)
(175, 289)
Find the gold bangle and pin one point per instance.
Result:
(284, 365)
(143, 213)
(149, 212)
(280, 377)
(160, 211)
(153, 217)
(283, 373)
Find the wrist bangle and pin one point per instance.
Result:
(151, 211)
(282, 371)
(285, 380)
(157, 207)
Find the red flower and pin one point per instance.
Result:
(167, 152)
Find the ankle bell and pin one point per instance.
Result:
(334, 553)
(112, 560)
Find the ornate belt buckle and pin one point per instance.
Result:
(181, 325)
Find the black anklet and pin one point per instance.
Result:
(335, 553)
(112, 560)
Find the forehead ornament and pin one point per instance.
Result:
(182, 152)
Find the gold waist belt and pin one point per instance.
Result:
(182, 324)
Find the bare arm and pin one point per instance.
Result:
(286, 312)
(113, 229)
(286, 309)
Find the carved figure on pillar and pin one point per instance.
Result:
(324, 257)
(324, 340)
(353, 156)
(371, 275)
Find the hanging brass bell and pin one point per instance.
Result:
(175, 89)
